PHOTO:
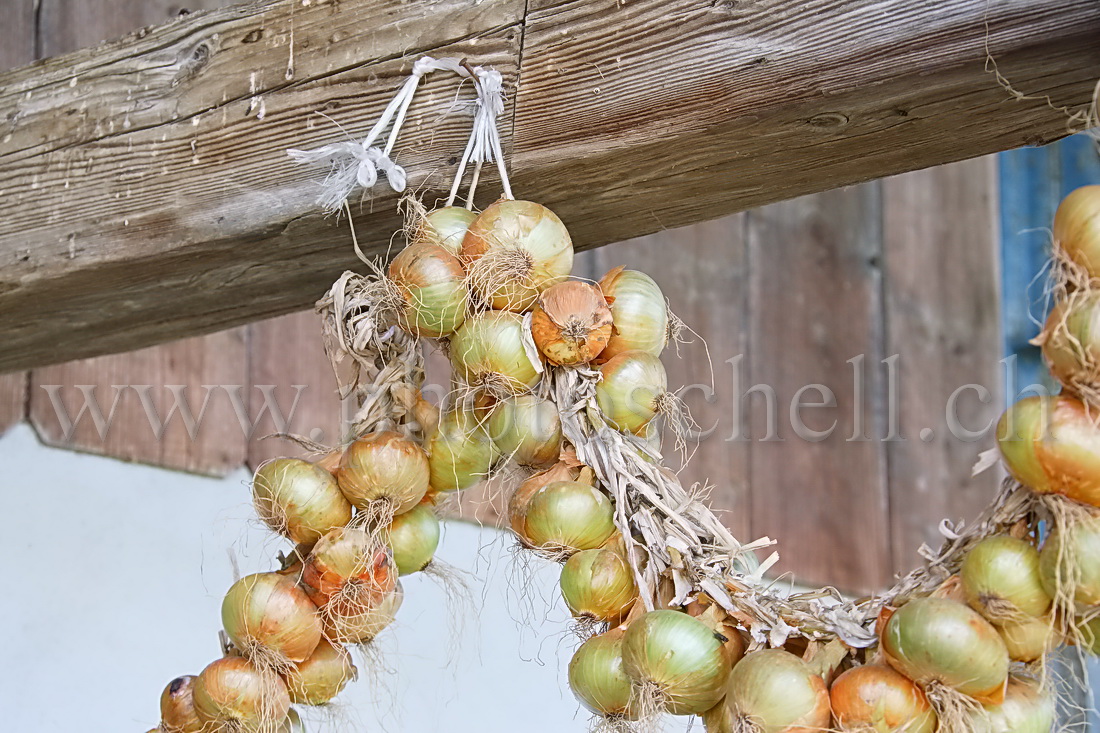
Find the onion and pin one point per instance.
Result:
(320, 678)
(521, 497)
(777, 692)
(598, 585)
(1000, 579)
(513, 251)
(940, 640)
(488, 353)
(639, 311)
(1087, 634)
(431, 284)
(384, 472)
(1052, 445)
(527, 430)
(570, 516)
(445, 226)
(1070, 562)
(679, 658)
(1029, 638)
(270, 619)
(1026, 709)
(233, 695)
(460, 452)
(876, 698)
(1077, 228)
(631, 390)
(349, 565)
(1067, 340)
(571, 323)
(177, 707)
(359, 624)
(298, 500)
(413, 537)
(597, 678)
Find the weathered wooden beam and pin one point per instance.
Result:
(147, 196)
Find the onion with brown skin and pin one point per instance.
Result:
(1077, 228)
(571, 323)
(177, 707)
(232, 695)
(876, 698)
(320, 678)
(351, 623)
(349, 564)
(431, 285)
(384, 473)
(270, 619)
(298, 499)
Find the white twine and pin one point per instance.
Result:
(353, 164)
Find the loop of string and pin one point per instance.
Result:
(353, 163)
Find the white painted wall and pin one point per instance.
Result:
(114, 579)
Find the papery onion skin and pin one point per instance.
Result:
(598, 584)
(1000, 579)
(488, 351)
(384, 467)
(938, 639)
(571, 323)
(298, 499)
(680, 656)
(431, 283)
(320, 678)
(1070, 557)
(777, 691)
(233, 695)
(533, 241)
(349, 563)
(268, 613)
(1077, 228)
(1029, 638)
(1052, 445)
(177, 707)
(569, 516)
(360, 624)
(414, 537)
(875, 697)
(445, 226)
(521, 497)
(639, 311)
(1071, 339)
(460, 452)
(527, 430)
(597, 678)
(1026, 709)
(630, 389)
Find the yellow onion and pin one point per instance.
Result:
(320, 678)
(177, 707)
(1077, 228)
(431, 284)
(413, 537)
(460, 452)
(1067, 340)
(940, 640)
(598, 584)
(631, 390)
(269, 618)
(1000, 579)
(1052, 445)
(677, 657)
(570, 516)
(358, 624)
(521, 497)
(597, 678)
(513, 251)
(298, 499)
(1070, 561)
(527, 430)
(1029, 638)
(445, 226)
(571, 323)
(876, 698)
(639, 311)
(1026, 709)
(487, 352)
(348, 564)
(233, 695)
(777, 692)
(384, 470)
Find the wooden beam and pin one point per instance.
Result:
(147, 195)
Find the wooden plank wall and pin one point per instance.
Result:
(798, 290)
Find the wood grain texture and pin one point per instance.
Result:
(816, 297)
(631, 118)
(943, 320)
